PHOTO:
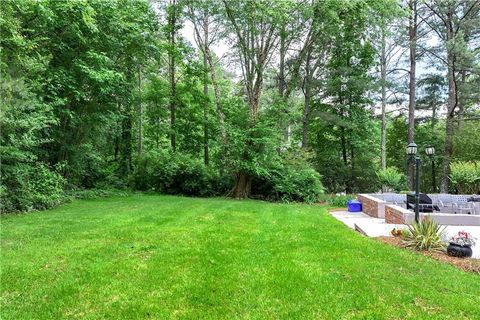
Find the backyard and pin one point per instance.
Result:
(152, 256)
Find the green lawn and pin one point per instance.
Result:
(157, 257)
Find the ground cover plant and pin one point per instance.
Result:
(156, 257)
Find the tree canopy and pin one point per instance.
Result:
(282, 100)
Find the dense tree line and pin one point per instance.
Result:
(311, 96)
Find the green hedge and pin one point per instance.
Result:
(169, 173)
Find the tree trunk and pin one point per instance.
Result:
(140, 114)
(281, 71)
(282, 81)
(412, 33)
(306, 115)
(126, 134)
(243, 184)
(173, 85)
(452, 104)
(217, 94)
(205, 92)
(204, 45)
(352, 168)
(126, 143)
(344, 156)
(306, 101)
(461, 97)
(447, 154)
(383, 80)
(116, 149)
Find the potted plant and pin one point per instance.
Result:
(461, 245)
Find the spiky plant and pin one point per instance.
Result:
(425, 235)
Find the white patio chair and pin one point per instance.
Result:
(460, 204)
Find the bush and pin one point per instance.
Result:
(465, 176)
(176, 174)
(425, 235)
(391, 179)
(289, 178)
(339, 200)
(26, 182)
(296, 184)
(28, 187)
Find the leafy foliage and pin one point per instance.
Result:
(465, 176)
(31, 187)
(426, 235)
(26, 183)
(110, 94)
(391, 179)
(339, 200)
(296, 184)
(170, 173)
(292, 179)
(463, 238)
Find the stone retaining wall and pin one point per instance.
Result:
(372, 206)
(398, 215)
(395, 214)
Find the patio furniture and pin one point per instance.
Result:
(425, 203)
(474, 203)
(460, 204)
(468, 209)
(444, 202)
(395, 198)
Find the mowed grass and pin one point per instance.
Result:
(165, 257)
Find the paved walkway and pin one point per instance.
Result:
(376, 227)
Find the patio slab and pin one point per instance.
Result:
(350, 218)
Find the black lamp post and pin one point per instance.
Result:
(430, 151)
(412, 153)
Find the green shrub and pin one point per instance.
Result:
(289, 178)
(26, 182)
(391, 179)
(426, 235)
(28, 187)
(169, 173)
(465, 176)
(339, 200)
(296, 184)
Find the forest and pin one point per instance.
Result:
(282, 100)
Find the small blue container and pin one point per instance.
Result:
(354, 206)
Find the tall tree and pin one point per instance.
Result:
(255, 26)
(173, 24)
(452, 19)
(204, 17)
(412, 40)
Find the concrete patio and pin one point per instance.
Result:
(376, 227)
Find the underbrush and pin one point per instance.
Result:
(95, 193)
(336, 200)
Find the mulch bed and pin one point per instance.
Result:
(465, 264)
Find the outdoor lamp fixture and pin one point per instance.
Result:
(412, 149)
(430, 151)
(412, 153)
